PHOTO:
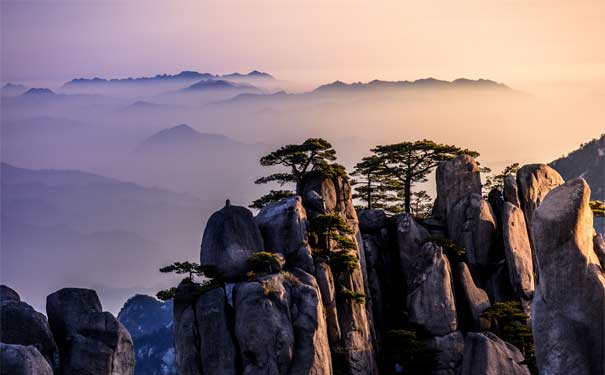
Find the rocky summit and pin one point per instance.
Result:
(311, 286)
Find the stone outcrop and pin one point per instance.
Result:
(475, 298)
(569, 302)
(518, 252)
(486, 354)
(218, 352)
(284, 228)
(535, 181)
(456, 179)
(511, 191)
(431, 302)
(22, 360)
(21, 324)
(449, 350)
(230, 238)
(599, 248)
(7, 294)
(90, 341)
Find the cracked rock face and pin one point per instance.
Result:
(431, 304)
(231, 236)
(22, 360)
(534, 182)
(518, 252)
(569, 303)
(284, 228)
(486, 354)
(91, 342)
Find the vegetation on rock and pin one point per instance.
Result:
(264, 262)
(598, 208)
(512, 326)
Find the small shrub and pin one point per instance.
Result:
(341, 261)
(166, 294)
(598, 208)
(353, 296)
(454, 252)
(264, 262)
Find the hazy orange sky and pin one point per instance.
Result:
(521, 43)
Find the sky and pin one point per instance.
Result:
(524, 43)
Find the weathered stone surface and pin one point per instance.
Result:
(599, 248)
(322, 194)
(431, 304)
(265, 347)
(511, 191)
(284, 228)
(21, 324)
(449, 350)
(476, 298)
(311, 347)
(372, 220)
(325, 281)
(186, 340)
(91, 342)
(410, 239)
(569, 303)
(518, 253)
(497, 285)
(535, 181)
(230, 237)
(7, 294)
(486, 354)
(217, 348)
(472, 225)
(22, 360)
(456, 179)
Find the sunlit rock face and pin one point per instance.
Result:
(569, 303)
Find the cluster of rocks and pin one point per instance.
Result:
(531, 242)
(78, 337)
(297, 318)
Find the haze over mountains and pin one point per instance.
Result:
(163, 152)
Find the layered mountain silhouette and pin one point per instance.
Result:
(76, 225)
(430, 83)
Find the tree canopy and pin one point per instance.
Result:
(299, 159)
(374, 187)
(411, 162)
(598, 208)
(190, 268)
(497, 181)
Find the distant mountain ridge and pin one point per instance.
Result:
(419, 83)
(186, 75)
(180, 136)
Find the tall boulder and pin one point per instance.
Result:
(475, 298)
(280, 326)
(186, 330)
(518, 253)
(91, 342)
(284, 228)
(332, 194)
(569, 303)
(431, 302)
(535, 181)
(471, 224)
(448, 351)
(486, 354)
(217, 349)
(410, 238)
(456, 179)
(22, 360)
(21, 324)
(231, 236)
(511, 191)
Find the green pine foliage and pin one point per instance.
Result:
(497, 181)
(341, 261)
(511, 325)
(264, 262)
(273, 196)
(453, 251)
(353, 296)
(598, 208)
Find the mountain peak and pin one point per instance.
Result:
(38, 92)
